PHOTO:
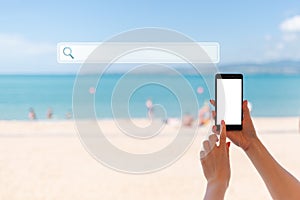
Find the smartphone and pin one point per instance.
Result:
(229, 100)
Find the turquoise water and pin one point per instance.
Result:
(270, 95)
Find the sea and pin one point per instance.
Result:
(270, 95)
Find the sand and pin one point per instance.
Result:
(46, 160)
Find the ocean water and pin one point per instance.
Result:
(270, 95)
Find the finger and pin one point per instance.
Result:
(212, 140)
(223, 134)
(246, 111)
(202, 154)
(206, 146)
(215, 130)
(212, 102)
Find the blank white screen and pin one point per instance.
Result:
(229, 94)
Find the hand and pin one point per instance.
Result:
(215, 164)
(245, 137)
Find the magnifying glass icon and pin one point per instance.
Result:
(68, 52)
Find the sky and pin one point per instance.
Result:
(248, 31)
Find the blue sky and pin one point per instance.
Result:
(252, 31)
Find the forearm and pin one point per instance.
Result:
(215, 191)
(280, 183)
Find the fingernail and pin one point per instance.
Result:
(223, 122)
(228, 144)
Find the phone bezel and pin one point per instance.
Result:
(229, 76)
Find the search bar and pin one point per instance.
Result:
(78, 52)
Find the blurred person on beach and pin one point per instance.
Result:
(31, 114)
(299, 126)
(68, 115)
(216, 167)
(187, 120)
(204, 114)
(173, 122)
(49, 114)
(149, 106)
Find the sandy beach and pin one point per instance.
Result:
(46, 160)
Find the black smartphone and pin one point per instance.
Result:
(229, 100)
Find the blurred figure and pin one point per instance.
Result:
(49, 113)
(149, 106)
(299, 126)
(187, 120)
(173, 122)
(68, 115)
(31, 114)
(204, 114)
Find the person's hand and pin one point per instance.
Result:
(215, 164)
(245, 137)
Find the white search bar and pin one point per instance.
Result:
(77, 52)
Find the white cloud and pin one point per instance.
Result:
(268, 37)
(289, 37)
(12, 45)
(281, 49)
(21, 55)
(286, 45)
(291, 25)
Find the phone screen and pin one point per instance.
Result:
(229, 96)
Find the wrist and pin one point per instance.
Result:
(215, 190)
(253, 147)
(218, 185)
(251, 142)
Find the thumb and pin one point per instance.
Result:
(223, 134)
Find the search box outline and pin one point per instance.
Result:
(88, 47)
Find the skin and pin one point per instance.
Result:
(280, 183)
(215, 164)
